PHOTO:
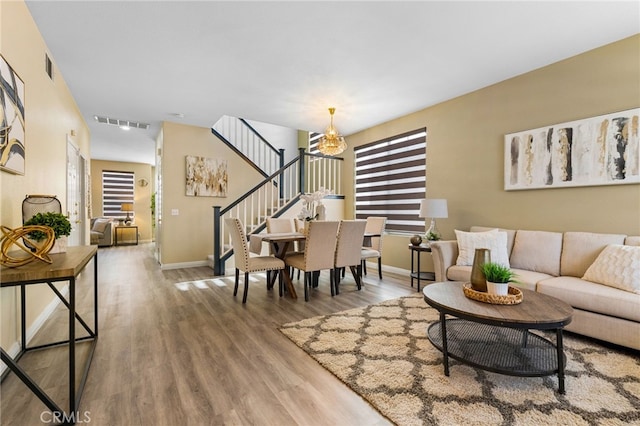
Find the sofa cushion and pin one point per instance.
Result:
(593, 297)
(632, 241)
(537, 251)
(511, 235)
(494, 240)
(580, 249)
(99, 225)
(528, 279)
(459, 273)
(617, 266)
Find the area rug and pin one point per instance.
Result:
(381, 352)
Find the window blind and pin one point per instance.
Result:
(390, 180)
(117, 188)
(314, 140)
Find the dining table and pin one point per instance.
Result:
(280, 243)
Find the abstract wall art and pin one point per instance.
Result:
(206, 177)
(602, 150)
(12, 144)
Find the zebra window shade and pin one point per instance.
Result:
(390, 180)
(117, 188)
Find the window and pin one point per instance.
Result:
(314, 140)
(117, 188)
(390, 180)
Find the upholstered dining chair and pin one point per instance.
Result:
(244, 261)
(320, 247)
(375, 225)
(276, 225)
(348, 252)
(280, 224)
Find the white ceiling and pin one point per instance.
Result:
(286, 62)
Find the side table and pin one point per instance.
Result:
(133, 227)
(416, 274)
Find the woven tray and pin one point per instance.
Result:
(513, 298)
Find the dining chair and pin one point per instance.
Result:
(280, 224)
(244, 261)
(375, 225)
(277, 225)
(348, 252)
(320, 247)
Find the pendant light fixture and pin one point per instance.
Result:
(332, 143)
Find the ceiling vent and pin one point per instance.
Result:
(121, 123)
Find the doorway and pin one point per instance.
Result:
(77, 183)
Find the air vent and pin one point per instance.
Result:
(48, 66)
(121, 123)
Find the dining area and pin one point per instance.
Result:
(294, 252)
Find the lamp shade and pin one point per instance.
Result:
(434, 208)
(126, 207)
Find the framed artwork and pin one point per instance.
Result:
(601, 150)
(206, 177)
(12, 144)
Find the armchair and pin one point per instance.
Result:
(101, 231)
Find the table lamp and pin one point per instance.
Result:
(127, 207)
(433, 208)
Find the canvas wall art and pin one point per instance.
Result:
(602, 150)
(12, 143)
(206, 177)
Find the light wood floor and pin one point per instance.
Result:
(175, 347)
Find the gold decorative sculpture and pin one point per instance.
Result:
(12, 237)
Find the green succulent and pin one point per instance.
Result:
(497, 273)
(57, 221)
(432, 236)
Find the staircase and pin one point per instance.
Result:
(242, 138)
(276, 193)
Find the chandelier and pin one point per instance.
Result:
(332, 143)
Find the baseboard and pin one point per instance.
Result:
(373, 266)
(180, 265)
(14, 350)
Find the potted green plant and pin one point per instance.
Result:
(58, 222)
(498, 278)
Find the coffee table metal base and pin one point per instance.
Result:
(511, 351)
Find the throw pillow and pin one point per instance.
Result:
(617, 266)
(494, 240)
(99, 225)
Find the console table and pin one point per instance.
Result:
(65, 267)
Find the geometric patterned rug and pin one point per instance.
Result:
(382, 353)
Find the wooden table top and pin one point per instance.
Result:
(281, 237)
(65, 265)
(536, 311)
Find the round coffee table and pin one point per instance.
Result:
(497, 337)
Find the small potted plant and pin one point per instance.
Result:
(498, 278)
(60, 225)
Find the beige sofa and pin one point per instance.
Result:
(554, 263)
(102, 231)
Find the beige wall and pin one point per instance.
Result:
(465, 139)
(188, 237)
(142, 195)
(50, 113)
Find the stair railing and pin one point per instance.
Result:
(241, 137)
(272, 197)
